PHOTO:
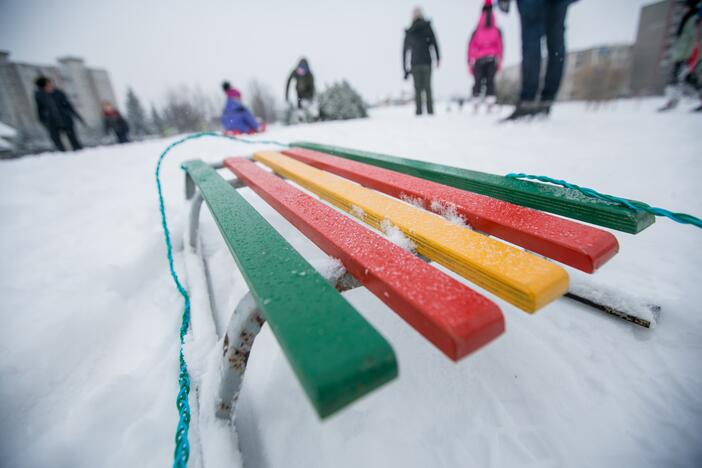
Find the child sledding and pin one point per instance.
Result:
(236, 118)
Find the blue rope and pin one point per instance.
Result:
(682, 218)
(182, 445)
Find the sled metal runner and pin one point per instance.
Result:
(527, 281)
(622, 314)
(335, 353)
(550, 198)
(577, 245)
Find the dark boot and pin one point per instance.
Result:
(543, 109)
(669, 105)
(524, 110)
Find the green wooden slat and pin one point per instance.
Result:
(551, 198)
(336, 354)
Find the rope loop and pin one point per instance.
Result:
(182, 445)
(682, 218)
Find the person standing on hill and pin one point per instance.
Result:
(485, 56)
(304, 83)
(56, 113)
(419, 39)
(540, 18)
(113, 121)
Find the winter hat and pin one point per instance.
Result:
(488, 3)
(234, 93)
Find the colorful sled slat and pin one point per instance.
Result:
(544, 197)
(456, 319)
(583, 247)
(523, 279)
(335, 353)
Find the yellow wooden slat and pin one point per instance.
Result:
(525, 280)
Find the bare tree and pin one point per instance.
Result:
(185, 111)
(261, 101)
(136, 116)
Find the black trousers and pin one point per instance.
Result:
(541, 18)
(484, 73)
(421, 74)
(122, 137)
(55, 134)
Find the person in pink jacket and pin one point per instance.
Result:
(485, 55)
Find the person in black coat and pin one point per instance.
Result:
(304, 83)
(419, 39)
(56, 113)
(113, 121)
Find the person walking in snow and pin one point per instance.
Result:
(540, 18)
(56, 113)
(304, 83)
(485, 56)
(419, 40)
(686, 57)
(236, 119)
(112, 121)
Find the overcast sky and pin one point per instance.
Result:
(159, 44)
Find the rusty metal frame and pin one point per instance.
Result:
(246, 319)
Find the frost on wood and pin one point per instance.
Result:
(414, 201)
(449, 212)
(331, 269)
(358, 212)
(397, 237)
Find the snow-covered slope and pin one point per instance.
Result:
(88, 342)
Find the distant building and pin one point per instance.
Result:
(652, 63)
(86, 88)
(617, 70)
(584, 69)
(7, 136)
(602, 66)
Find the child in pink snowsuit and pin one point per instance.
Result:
(485, 54)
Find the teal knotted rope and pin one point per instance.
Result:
(182, 445)
(682, 218)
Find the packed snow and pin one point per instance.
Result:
(396, 236)
(89, 341)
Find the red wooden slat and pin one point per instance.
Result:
(456, 319)
(580, 246)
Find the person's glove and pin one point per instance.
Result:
(407, 74)
(503, 5)
(471, 67)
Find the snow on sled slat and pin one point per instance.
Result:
(335, 353)
(580, 246)
(456, 319)
(544, 197)
(525, 280)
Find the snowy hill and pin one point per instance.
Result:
(89, 341)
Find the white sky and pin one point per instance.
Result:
(153, 45)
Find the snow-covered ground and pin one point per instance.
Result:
(89, 335)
